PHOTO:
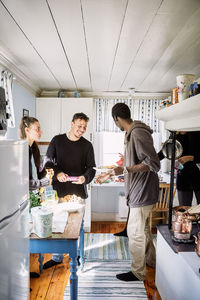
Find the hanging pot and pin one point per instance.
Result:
(167, 149)
(181, 223)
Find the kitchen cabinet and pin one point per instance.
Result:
(48, 111)
(55, 116)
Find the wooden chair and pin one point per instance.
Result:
(162, 206)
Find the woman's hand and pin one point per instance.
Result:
(104, 176)
(81, 180)
(185, 159)
(62, 177)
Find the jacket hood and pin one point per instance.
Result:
(138, 124)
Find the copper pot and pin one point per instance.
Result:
(181, 223)
(197, 242)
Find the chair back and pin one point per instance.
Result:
(164, 195)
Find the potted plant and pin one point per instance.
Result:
(34, 200)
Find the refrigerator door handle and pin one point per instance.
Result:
(7, 223)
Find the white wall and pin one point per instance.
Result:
(21, 99)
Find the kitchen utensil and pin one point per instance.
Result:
(183, 83)
(181, 224)
(168, 148)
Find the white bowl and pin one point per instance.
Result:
(71, 206)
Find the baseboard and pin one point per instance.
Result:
(107, 217)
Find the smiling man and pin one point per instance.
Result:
(70, 154)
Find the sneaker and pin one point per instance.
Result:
(129, 276)
(50, 264)
(34, 275)
(121, 233)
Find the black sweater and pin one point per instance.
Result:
(41, 181)
(75, 158)
(188, 179)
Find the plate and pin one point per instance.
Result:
(71, 206)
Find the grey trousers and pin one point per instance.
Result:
(185, 197)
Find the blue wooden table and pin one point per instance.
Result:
(66, 242)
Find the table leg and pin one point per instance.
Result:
(40, 259)
(81, 245)
(73, 277)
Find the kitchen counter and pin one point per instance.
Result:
(177, 268)
(176, 246)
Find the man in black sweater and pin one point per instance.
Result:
(70, 154)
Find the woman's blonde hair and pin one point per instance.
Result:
(26, 122)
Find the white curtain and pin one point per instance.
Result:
(6, 83)
(143, 110)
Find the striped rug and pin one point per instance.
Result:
(106, 256)
(106, 246)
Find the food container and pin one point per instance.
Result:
(183, 84)
(42, 221)
(174, 95)
(181, 224)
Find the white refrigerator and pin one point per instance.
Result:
(14, 220)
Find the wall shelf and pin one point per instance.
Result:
(184, 116)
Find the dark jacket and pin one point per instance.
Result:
(141, 188)
(188, 179)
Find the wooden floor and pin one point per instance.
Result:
(53, 281)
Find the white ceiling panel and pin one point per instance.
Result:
(69, 21)
(102, 22)
(132, 37)
(20, 50)
(187, 36)
(35, 19)
(164, 29)
(188, 62)
(100, 45)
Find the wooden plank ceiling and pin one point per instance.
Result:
(101, 45)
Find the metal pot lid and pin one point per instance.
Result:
(168, 148)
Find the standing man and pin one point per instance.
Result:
(70, 154)
(141, 164)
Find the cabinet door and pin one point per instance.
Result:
(70, 106)
(48, 111)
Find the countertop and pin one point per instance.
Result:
(175, 246)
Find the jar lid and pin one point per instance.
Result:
(41, 211)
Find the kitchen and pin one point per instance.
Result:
(87, 55)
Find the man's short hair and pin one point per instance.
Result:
(121, 110)
(80, 116)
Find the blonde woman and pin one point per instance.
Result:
(30, 130)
